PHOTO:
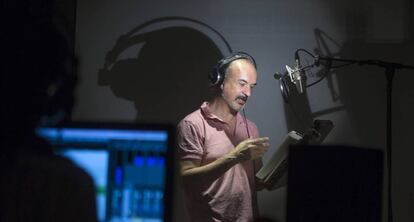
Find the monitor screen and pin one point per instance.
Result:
(131, 165)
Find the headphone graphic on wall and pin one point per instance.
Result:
(218, 73)
(131, 38)
(120, 74)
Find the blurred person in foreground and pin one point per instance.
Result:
(36, 184)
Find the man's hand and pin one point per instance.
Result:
(250, 149)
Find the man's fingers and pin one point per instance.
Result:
(257, 140)
(261, 139)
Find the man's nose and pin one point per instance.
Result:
(247, 91)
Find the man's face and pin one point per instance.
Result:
(237, 86)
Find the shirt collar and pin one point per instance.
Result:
(209, 115)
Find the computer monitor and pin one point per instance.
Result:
(132, 166)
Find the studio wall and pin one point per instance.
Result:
(147, 61)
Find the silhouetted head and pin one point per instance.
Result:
(166, 77)
(35, 63)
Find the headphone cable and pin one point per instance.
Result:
(245, 122)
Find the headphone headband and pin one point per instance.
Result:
(219, 71)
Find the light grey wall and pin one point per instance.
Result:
(271, 31)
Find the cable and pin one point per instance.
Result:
(316, 63)
(245, 122)
(317, 81)
(306, 51)
(327, 71)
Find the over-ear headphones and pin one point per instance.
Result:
(218, 74)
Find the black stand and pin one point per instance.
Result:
(389, 74)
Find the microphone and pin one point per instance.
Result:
(297, 74)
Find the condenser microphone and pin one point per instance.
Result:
(297, 75)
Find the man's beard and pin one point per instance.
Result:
(235, 105)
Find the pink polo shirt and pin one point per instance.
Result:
(232, 197)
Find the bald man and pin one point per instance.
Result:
(221, 150)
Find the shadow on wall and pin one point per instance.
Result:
(168, 77)
(360, 89)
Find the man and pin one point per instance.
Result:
(35, 184)
(220, 149)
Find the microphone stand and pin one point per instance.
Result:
(389, 74)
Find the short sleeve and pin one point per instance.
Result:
(190, 141)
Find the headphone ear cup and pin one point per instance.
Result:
(215, 76)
